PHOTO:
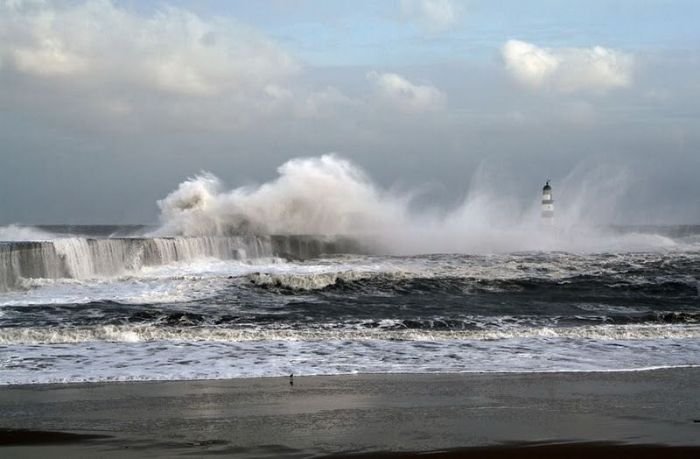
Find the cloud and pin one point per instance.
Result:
(595, 69)
(399, 93)
(432, 16)
(170, 67)
(172, 50)
(528, 63)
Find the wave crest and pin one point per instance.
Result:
(148, 333)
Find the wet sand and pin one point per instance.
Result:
(638, 414)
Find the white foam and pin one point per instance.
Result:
(173, 360)
(24, 233)
(175, 282)
(330, 332)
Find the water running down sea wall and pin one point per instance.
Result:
(83, 258)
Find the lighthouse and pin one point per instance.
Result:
(547, 204)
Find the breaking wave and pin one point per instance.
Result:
(320, 281)
(590, 286)
(148, 333)
(330, 195)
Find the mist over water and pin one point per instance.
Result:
(329, 195)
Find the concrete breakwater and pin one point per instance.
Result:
(82, 258)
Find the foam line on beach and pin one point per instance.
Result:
(148, 333)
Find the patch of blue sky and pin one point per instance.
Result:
(372, 33)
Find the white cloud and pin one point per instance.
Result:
(172, 50)
(528, 63)
(169, 66)
(432, 15)
(399, 93)
(567, 69)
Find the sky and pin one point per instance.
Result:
(106, 106)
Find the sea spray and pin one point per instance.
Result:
(24, 233)
(328, 195)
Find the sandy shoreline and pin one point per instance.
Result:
(605, 414)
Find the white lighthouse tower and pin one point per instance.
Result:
(547, 204)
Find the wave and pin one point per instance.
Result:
(177, 360)
(291, 282)
(320, 314)
(148, 333)
(645, 287)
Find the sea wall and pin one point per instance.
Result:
(83, 258)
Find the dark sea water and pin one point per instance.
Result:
(108, 303)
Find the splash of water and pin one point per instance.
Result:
(329, 195)
(325, 195)
(24, 233)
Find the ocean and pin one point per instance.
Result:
(96, 303)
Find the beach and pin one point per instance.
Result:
(614, 414)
